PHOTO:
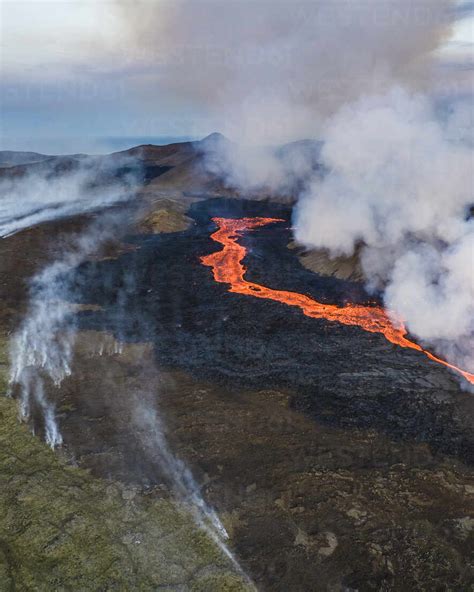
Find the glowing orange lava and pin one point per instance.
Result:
(227, 268)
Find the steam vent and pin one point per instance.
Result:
(240, 361)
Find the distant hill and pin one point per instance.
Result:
(10, 158)
(177, 168)
(180, 167)
(175, 174)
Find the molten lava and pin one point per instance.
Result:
(227, 268)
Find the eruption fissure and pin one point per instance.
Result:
(227, 268)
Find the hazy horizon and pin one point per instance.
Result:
(75, 74)
(84, 145)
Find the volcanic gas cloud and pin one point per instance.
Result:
(387, 90)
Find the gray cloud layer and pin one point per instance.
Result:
(272, 72)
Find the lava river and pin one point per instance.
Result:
(227, 268)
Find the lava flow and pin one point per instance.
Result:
(227, 268)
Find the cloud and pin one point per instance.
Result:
(400, 184)
(395, 172)
(273, 71)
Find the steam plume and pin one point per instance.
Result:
(404, 195)
(43, 193)
(273, 71)
(41, 349)
(367, 78)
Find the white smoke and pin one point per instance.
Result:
(41, 349)
(363, 77)
(267, 73)
(43, 193)
(400, 183)
(153, 436)
(271, 72)
(150, 428)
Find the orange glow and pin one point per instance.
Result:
(227, 268)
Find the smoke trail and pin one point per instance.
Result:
(58, 188)
(153, 437)
(148, 424)
(41, 349)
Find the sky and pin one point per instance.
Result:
(72, 80)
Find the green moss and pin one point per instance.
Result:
(218, 583)
(62, 529)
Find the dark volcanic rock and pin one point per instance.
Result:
(341, 375)
(336, 461)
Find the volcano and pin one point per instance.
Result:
(330, 447)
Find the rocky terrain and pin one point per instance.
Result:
(62, 529)
(335, 460)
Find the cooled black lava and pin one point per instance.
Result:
(340, 374)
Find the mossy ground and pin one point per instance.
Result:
(62, 529)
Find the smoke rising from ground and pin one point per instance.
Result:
(364, 77)
(41, 349)
(399, 183)
(43, 194)
(152, 433)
